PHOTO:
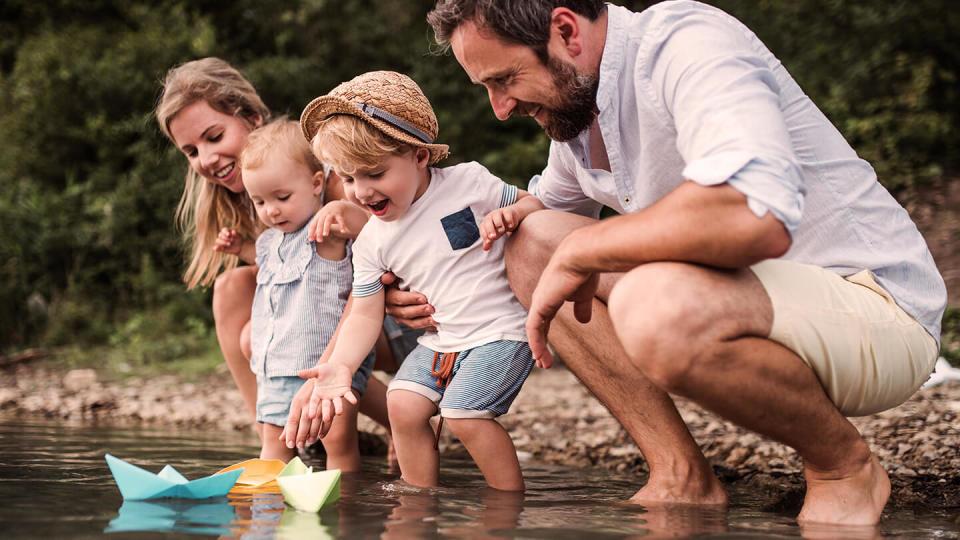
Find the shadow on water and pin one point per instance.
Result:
(54, 483)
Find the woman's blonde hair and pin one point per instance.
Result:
(348, 144)
(204, 207)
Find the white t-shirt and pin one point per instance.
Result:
(435, 249)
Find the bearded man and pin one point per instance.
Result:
(757, 268)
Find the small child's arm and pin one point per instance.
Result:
(506, 220)
(229, 241)
(341, 219)
(299, 424)
(358, 334)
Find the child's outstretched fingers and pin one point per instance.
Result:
(303, 429)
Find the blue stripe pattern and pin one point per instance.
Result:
(298, 302)
(509, 195)
(366, 289)
(485, 378)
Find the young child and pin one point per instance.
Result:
(302, 286)
(378, 132)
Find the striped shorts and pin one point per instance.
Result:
(484, 380)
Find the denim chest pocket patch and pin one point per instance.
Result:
(461, 229)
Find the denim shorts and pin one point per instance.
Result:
(402, 340)
(485, 379)
(274, 394)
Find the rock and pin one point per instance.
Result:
(77, 380)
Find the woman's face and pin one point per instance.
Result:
(212, 142)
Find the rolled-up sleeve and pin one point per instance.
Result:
(558, 188)
(724, 102)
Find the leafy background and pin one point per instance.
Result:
(90, 260)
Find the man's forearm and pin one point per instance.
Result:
(705, 225)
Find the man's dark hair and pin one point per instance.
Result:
(522, 22)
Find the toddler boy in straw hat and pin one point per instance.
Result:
(302, 287)
(435, 229)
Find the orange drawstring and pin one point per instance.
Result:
(447, 361)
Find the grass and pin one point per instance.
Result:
(193, 358)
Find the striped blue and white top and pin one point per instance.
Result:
(297, 305)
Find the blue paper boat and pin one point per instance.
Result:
(138, 484)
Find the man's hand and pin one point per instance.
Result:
(228, 241)
(408, 308)
(559, 282)
(316, 403)
(502, 221)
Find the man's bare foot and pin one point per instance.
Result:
(847, 498)
(704, 489)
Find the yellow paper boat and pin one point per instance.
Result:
(306, 489)
(259, 475)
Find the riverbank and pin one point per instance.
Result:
(554, 420)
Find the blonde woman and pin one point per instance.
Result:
(207, 109)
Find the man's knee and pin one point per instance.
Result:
(655, 318)
(529, 248)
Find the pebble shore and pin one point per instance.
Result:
(555, 420)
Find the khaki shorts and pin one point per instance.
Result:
(869, 354)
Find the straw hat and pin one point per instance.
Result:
(387, 100)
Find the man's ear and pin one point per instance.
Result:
(565, 38)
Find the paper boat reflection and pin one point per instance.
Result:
(211, 518)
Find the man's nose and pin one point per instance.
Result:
(502, 104)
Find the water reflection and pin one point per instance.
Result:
(176, 515)
(54, 483)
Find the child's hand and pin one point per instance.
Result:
(228, 241)
(317, 402)
(338, 218)
(497, 223)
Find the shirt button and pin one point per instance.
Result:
(626, 200)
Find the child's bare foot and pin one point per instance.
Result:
(856, 497)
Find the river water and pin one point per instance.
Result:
(54, 483)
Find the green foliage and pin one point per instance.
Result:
(88, 185)
(886, 74)
(950, 338)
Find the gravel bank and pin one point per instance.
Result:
(554, 420)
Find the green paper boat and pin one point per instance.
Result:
(306, 489)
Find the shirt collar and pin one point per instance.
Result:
(611, 61)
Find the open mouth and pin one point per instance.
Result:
(379, 207)
(225, 172)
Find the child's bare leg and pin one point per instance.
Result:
(272, 447)
(373, 404)
(492, 449)
(414, 439)
(342, 443)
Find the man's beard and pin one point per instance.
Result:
(577, 98)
